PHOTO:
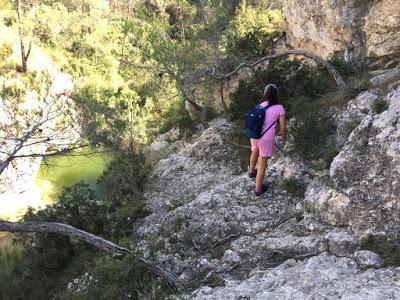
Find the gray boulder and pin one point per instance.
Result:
(368, 259)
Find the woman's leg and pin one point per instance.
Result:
(262, 164)
(253, 160)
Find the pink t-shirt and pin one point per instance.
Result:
(271, 115)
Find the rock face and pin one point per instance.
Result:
(207, 228)
(368, 259)
(205, 218)
(325, 26)
(352, 27)
(319, 277)
(382, 28)
(367, 170)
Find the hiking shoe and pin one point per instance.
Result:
(253, 174)
(263, 190)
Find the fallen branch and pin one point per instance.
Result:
(280, 222)
(297, 257)
(103, 244)
(236, 144)
(232, 268)
(231, 236)
(331, 69)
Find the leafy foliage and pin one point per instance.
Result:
(51, 260)
(389, 250)
(10, 258)
(379, 106)
(308, 93)
(254, 30)
(293, 186)
(124, 279)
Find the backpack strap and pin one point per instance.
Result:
(268, 128)
(265, 108)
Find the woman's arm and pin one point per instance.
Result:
(282, 126)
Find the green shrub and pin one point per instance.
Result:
(294, 186)
(389, 250)
(77, 206)
(349, 68)
(299, 84)
(10, 258)
(308, 92)
(122, 186)
(253, 30)
(379, 106)
(6, 64)
(340, 98)
(349, 125)
(177, 117)
(311, 136)
(51, 260)
(125, 279)
(330, 151)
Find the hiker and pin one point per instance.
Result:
(263, 148)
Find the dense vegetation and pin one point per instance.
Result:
(134, 68)
(47, 262)
(310, 97)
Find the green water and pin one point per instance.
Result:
(58, 172)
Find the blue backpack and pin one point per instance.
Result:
(254, 121)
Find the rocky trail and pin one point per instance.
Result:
(222, 243)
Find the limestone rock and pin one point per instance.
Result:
(368, 167)
(205, 226)
(382, 28)
(164, 145)
(351, 27)
(230, 256)
(325, 26)
(340, 243)
(327, 204)
(368, 259)
(320, 277)
(202, 208)
(352, 116)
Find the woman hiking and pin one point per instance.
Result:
(262, 149)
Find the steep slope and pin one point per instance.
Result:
(207, 228)
(205, 219)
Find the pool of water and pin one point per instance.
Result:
(58, 172)
(54, 174)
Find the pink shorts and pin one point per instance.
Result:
(266, 148)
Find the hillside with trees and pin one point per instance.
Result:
(158, 90)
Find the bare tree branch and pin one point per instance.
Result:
(47, 129)
(331, 69)
(103, 244)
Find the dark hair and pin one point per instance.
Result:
(271, 94)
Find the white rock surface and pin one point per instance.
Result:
(320, 277)
(351, 26)
(206, 227)
(367, 170)
(368, 259)
(341, 243)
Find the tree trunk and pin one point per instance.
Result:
(221, 91)
(103, 244)
(24, 54)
